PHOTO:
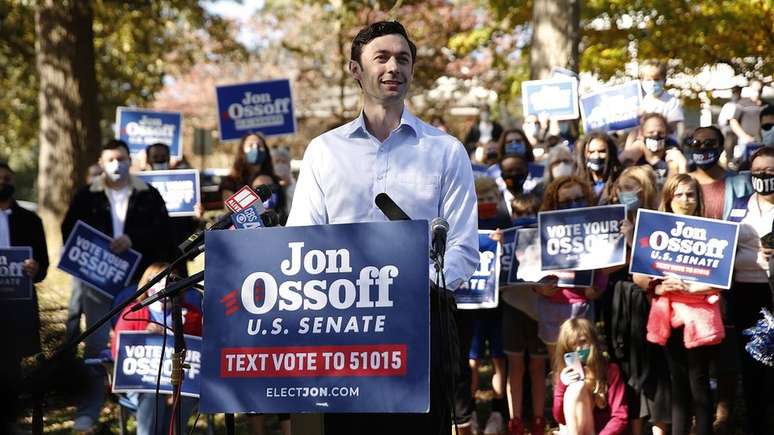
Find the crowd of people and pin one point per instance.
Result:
(637, 369)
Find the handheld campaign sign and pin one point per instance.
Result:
(613, 108)
(86, 255)
(526, 263)
(481, 289)
(582, 239)
(137, 363)
(687, 247)
(557, 96)
(15, 284)
(327, 318)
(141, 127)
(179, 188)
(265, 107)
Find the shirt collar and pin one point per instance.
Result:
(408, 123)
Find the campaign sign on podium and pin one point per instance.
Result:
(481, 289)
(326, 318)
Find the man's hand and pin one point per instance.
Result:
(31, 267)
(546, 286)
(120, 244)
(496, 235)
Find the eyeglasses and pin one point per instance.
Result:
(706, 143)
(767, 126)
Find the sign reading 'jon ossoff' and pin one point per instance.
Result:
(687, 247)
(331, 318)
(141, 127)
(15, 284)
(265, 107)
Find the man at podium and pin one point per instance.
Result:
(424, 170)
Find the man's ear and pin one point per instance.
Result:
(355, 69)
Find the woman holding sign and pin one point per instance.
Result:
(750, 288)
(597, 158)
(696, 308)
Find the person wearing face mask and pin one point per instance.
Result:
(719, 188)
(597, 162)
(746, 120)
(19, 320)
(514, 142)
(656, 99)
(693, 345)
(750, 289)
(151, 319)
(651, 145)
(767, 126)
(278, 201)
(483, 130)
(514, 171)
(133, 213)
(251, 158)
(589, 394)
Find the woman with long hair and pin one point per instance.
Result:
(251, 158)
(597, 163)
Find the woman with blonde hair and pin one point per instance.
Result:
(589, 392)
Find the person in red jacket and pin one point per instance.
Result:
(589, 395)
(151, 319)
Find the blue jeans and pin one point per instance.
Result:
(146, 402)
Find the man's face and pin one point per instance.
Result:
(117, 154)
(158, 154)
(651, 73)
(385, 69)
(6, 177)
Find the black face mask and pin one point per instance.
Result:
(6, 191)
(763, 184)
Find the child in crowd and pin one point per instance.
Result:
(589, 394)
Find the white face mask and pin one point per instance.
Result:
(561, 169)
(116, 170)
(157, 306)
(654, 145)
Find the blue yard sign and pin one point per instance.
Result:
(582, 238)
(481, 289)
(179, 188)
(86, 255)
(326, 318)
(137, 363)
(142, 127)
(526, 263)
(558, 97)
(613, 108)
(691, 248)
(15, 284)
(265, 107)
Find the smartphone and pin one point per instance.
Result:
(572, 359)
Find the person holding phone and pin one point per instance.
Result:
(589, 392)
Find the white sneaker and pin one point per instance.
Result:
(494, 424)
(83, 423)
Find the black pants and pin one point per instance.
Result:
(748, 299)
(443, 359)
(690, 385)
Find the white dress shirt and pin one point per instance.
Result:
(5, 230)
(424, 170)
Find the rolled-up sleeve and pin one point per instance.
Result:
(308, 207)
(458, 207)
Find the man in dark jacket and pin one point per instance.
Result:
(134, 215)
(19, 321)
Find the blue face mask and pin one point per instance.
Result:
(653, 87)
(630, 199)
(517, 148)
(704, 158)
(255, 156)
(573, 204)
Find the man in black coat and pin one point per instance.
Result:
(133, 213)
(19, 321)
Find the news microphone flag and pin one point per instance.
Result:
(247, 208)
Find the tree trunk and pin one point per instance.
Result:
(555, 36)
(67, 100)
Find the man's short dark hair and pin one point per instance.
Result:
(115, 144)
(157, 145)
(375, 30)
(768, 110)
(718, 134)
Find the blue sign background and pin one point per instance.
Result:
(179, 188)
(128, 369)
(232, 257)
(525, 265)
(557, 96)
(654, 226)
(265, 107)
(140, 128)
(481, 289)
(15, 284)
(561, 252)
(86, 255)
(613, 108)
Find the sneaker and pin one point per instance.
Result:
(83, 424)
(494, 424)
(515, 426)
(538, 426)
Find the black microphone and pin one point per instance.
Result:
(439, 228)
(197, 238)
(389, 208)
(170, 290)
